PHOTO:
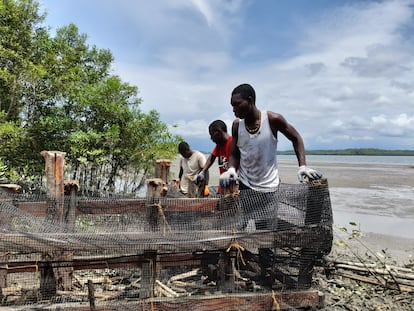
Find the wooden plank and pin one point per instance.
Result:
(148, 275)
(33, 208)
(229, 302)
(179, 241)
(118, 206)
(105, 262)
(124, 206)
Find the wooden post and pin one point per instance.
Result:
(155, 189)
(162, 170)
(91, 295)
(71, 188)
(4, 259)
(56, 273)
(48, 283)
(54, 163)
(226, 273)
(53, 278)
(148, 275)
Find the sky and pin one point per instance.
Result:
(341, 72)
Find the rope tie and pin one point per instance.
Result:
(233, 195)
(164, 219)
(275, 304)
(239, 250)
(161, 215)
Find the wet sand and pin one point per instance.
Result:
(339, 174)
(379, 198)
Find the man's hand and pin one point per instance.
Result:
(176, 184)
(227, 177)
(199, 178)
(309, 172)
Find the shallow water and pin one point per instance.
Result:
(377, 193)
(378, 210)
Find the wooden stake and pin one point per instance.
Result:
(91, 295)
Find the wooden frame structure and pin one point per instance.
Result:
(59, 259)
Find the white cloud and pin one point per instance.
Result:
(380, 120)
(349, 77)
(395, 125)
(404, 121)
(205, 10)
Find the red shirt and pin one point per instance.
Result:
(222, 153)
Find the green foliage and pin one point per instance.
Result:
(352, 233)
(57, 93)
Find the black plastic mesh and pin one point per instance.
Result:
(272, 241)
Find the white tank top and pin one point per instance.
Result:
(258, 157)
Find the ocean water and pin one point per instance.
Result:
(375, 192)
(380, 201)
(387, 210)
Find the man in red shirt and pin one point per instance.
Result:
(219, 135)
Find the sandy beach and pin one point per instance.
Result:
(377, 201)
(379, 198)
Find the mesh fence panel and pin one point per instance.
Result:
(133, 249)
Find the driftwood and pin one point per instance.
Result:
(382, 271)
(10, 188)
(389, 276)
(370, 265)
(184, 275)
(167, 291)
(100, 295)
(378, 281)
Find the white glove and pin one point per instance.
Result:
(227, 177)
(309, 172)
(200, 177)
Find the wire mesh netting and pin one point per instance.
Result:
(117, 252)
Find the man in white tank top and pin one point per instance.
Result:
(253, 153)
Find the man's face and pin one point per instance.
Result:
(217, 136)
(241, 106)
(186, 154)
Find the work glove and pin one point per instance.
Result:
(200, 177)
(309, 172)
(227, 177)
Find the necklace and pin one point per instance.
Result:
(253, 130)
(256, 127)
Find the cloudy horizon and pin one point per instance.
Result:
(341, 72)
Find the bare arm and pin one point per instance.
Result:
(209, 163)
(279, 124)
(181, 171)
(234, 160)
(180, 174)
